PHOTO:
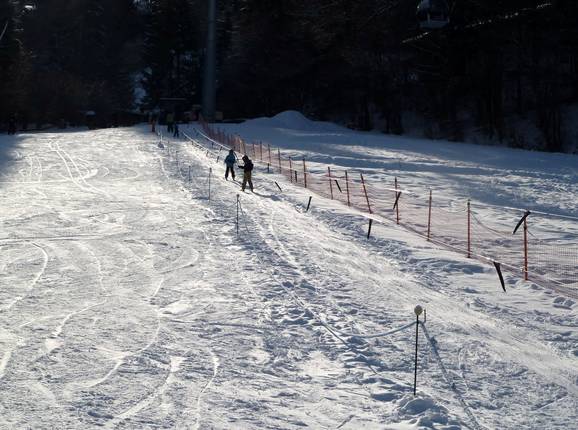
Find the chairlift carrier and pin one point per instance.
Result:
(433, 14)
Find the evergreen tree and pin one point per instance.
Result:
(9, 61)
(82, 57)
(366, 63)
(171, 51)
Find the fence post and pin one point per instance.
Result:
(330, 184)
(210, 173)
(290, 170)
(254, 153)
(347, 187)
(261, 150)
(189, 173)
(418, 310)
(279, 157)
(237, 215)
(469, 230)
(525, 249)
(396, 206)
(365, 191)
(369, 229)
(269, 149)
(304, 173)
(429, 216)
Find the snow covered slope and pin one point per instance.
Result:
(127, 299)
(493, 175)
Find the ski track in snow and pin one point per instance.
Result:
(567, 369)
(206, 388)
(291, 263)
(132, 303)
(34, 281)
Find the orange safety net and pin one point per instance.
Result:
(544, 249)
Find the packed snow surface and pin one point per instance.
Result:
(129, 300)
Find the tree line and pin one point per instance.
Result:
(502, 70)
(62, 58)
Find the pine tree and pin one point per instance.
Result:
(171, 51)
(9, 59)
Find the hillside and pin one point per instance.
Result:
(131, 298)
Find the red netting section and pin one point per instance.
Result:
(544, 248)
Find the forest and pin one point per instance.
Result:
(500, 70)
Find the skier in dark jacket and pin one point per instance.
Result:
(230, 161)
(247, 169)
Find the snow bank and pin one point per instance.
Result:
(293, 120)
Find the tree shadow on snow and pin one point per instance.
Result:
(9, 151)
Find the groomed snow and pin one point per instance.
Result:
(127, 299)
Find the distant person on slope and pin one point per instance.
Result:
(230, 161)
(170, 119)
(247, 169)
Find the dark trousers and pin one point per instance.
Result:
(247, 178)
(230, 169)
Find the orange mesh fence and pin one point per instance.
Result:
(544, 249)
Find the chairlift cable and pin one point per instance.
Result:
(505, 16)
(4, 31)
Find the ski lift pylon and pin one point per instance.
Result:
(433, 14)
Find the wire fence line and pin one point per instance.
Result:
(544, 250)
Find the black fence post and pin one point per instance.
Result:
(418, 310)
